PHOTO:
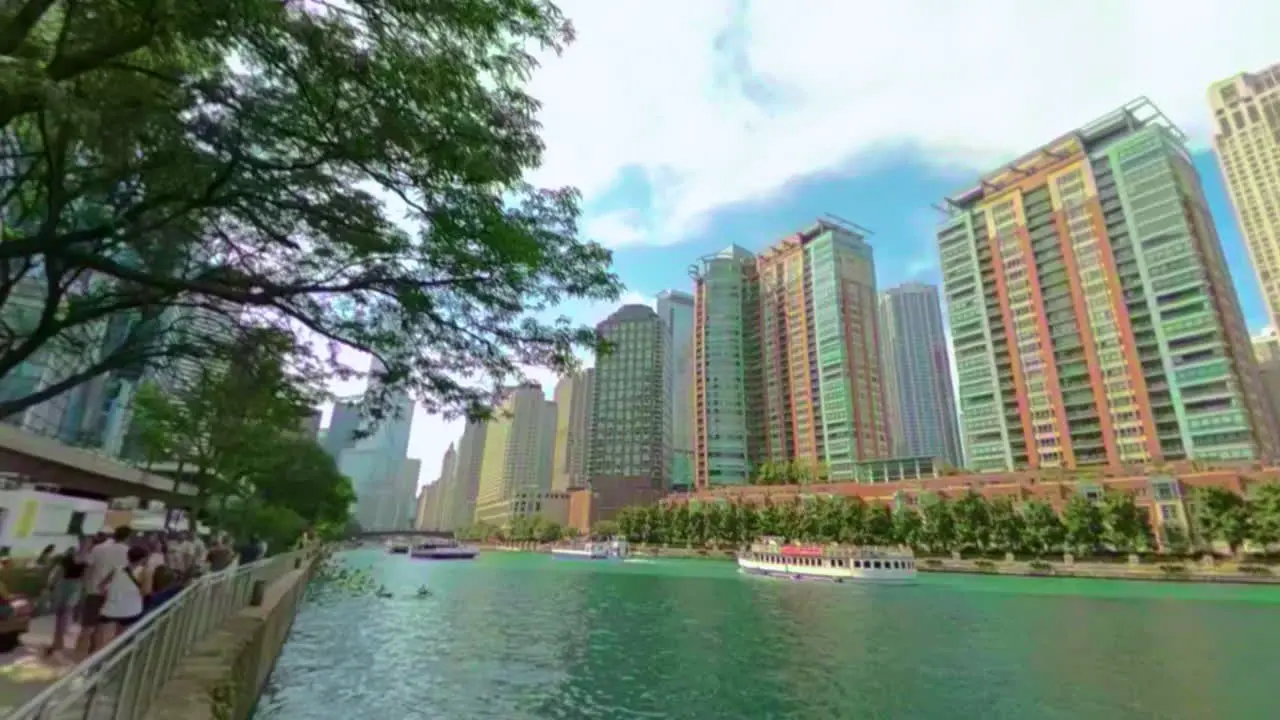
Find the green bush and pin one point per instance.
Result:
(933, 562)
(985, 565)
(1255, 569)
(1041, 566)
(1173, 569)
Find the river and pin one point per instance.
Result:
(522, 636)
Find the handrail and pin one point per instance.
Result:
(121, 680)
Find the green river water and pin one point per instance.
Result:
(522, 636)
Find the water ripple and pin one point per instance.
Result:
(522, 637)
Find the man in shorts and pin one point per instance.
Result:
(105, 560)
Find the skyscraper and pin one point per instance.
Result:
(630, 423)
(727, 409)
(1092, 315)
(675, 308)
(1246, 109)
(379, 472)
(515, 459)
(573, 429)
(921, 400)
(461, 509)
(820, 342)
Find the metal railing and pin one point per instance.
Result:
(120, 681)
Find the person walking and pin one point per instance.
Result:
(66, 590)
(104, 561)
(124, 598)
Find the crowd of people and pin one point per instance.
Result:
(109, 581)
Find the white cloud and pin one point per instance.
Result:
(651, 86)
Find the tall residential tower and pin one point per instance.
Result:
(1092, 315)
(922, 402)
(726, 376)
(1246, 110)
(820, 342)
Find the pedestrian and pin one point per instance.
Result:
(108, 557)
(66, 589)
(124, 597)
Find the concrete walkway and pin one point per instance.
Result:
(26, 671)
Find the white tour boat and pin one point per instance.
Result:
(616, 549)
(444, 551)
(837, 563)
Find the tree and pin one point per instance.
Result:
(233, 431)
(1126, 527)
(606, 529)
(1264, 528)
(1044, 532)
(1223, 515)
(1008, 528)
(1082, 520)
(908, 527)
(939, 531)
(880, 525)
(973, 524)
(348, 171)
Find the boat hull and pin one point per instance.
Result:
(445, 554)
(788, 571)
(583, 555)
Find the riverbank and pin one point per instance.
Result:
(1154, 568)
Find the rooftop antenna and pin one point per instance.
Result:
(848, 224)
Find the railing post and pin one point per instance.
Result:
(257, 593)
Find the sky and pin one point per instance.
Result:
(692, 125)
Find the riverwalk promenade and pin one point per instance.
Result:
(206, 654)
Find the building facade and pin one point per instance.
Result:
(727, 395)
(1266, 349)
(676, 310)
(630, 426)
(383, 478)
(917, 374)
(517, 454)
(1092, 315)
(461, 508)
(574, 396)
(1246, 112)
(820, 340)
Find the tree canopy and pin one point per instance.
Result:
(350, 172)
(235, 431)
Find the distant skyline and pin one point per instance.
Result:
(722, 134)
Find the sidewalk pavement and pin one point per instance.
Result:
(26, 671)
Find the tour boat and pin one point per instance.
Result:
(448, 551)
(616, 549)
(837, 563)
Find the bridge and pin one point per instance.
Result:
(374, 534)
(83, 472)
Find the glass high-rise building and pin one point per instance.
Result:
(1092, 316)
(917, 371)
(675, 308)
(787, 363)
(1246, 111)
(630, 421)
(727, 401)
(820, 341)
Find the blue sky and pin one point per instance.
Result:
(692, 125)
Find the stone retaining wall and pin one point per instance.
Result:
(224, 675)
